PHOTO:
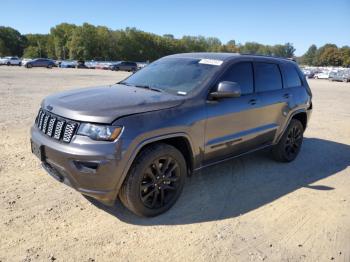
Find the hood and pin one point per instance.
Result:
(104, 104)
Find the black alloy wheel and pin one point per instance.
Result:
(290, 143)
(160, 182)
(155, 180)
(293, 142)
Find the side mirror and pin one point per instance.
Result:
(226, 89)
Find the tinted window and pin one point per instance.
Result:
(242, 74)
(267, 77)
(291, 75)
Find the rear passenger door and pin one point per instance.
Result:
(234, 125)
(274, 98)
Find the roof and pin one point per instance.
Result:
(223, 56)
(206, 55)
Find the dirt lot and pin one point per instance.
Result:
(248, 209)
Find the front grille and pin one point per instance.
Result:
(54, 126)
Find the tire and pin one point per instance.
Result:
(49, 66)
(290, 143)
(8, 64)
(149, 191)
(29, 66)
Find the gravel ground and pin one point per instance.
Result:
(247, 209)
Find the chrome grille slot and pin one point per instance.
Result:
(58, 130)
(45, 122)
(68, 132)
(55, 126)
(50, 128)
(41, 119)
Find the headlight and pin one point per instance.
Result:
(100, 132)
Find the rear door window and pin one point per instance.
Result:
(241, 73)
(267, 77)
(291, 75)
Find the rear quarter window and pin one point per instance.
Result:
(291, 75)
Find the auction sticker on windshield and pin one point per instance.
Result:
(210, 62)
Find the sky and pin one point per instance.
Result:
(300, 22)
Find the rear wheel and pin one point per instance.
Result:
(290, 143)
(8, 64)
(49, 66)
(155, 180)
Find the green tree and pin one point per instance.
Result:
(3, 49)
(61, 36)
(84, 43)
(31, 52)
(250, 48)
(38, 45)
(345, 53)
(11, 41)
(309, 58)
(330, 56)
(287, 50)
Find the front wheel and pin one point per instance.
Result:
(155, 180)
(290, 143)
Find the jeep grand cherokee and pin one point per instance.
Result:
(140, 138)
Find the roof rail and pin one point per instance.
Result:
(270, 56)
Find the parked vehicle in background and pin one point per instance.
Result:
(11, 60)
(308, 74)
(40, 62)
(25, 61)
(343, 76)
(141, 64)
(102, 65)
(322, 75)
(140, 138)
(68, 64)
(91, 64)
(81, 64)
(58, 63)
(124, 66)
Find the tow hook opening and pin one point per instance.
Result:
(86, 166)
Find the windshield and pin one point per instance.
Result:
(173, 75)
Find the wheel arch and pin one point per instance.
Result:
(300, 115)
(180, 141)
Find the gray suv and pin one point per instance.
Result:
(140, 138)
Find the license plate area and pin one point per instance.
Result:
(38, 150)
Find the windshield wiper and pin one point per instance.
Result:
(141, 86)
(123, 83)
(149, 87)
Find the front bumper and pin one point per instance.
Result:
(93, 168)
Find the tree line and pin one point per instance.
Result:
(87, 42)
(327, 55)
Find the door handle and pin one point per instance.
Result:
(252, 101)
(286, 95)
